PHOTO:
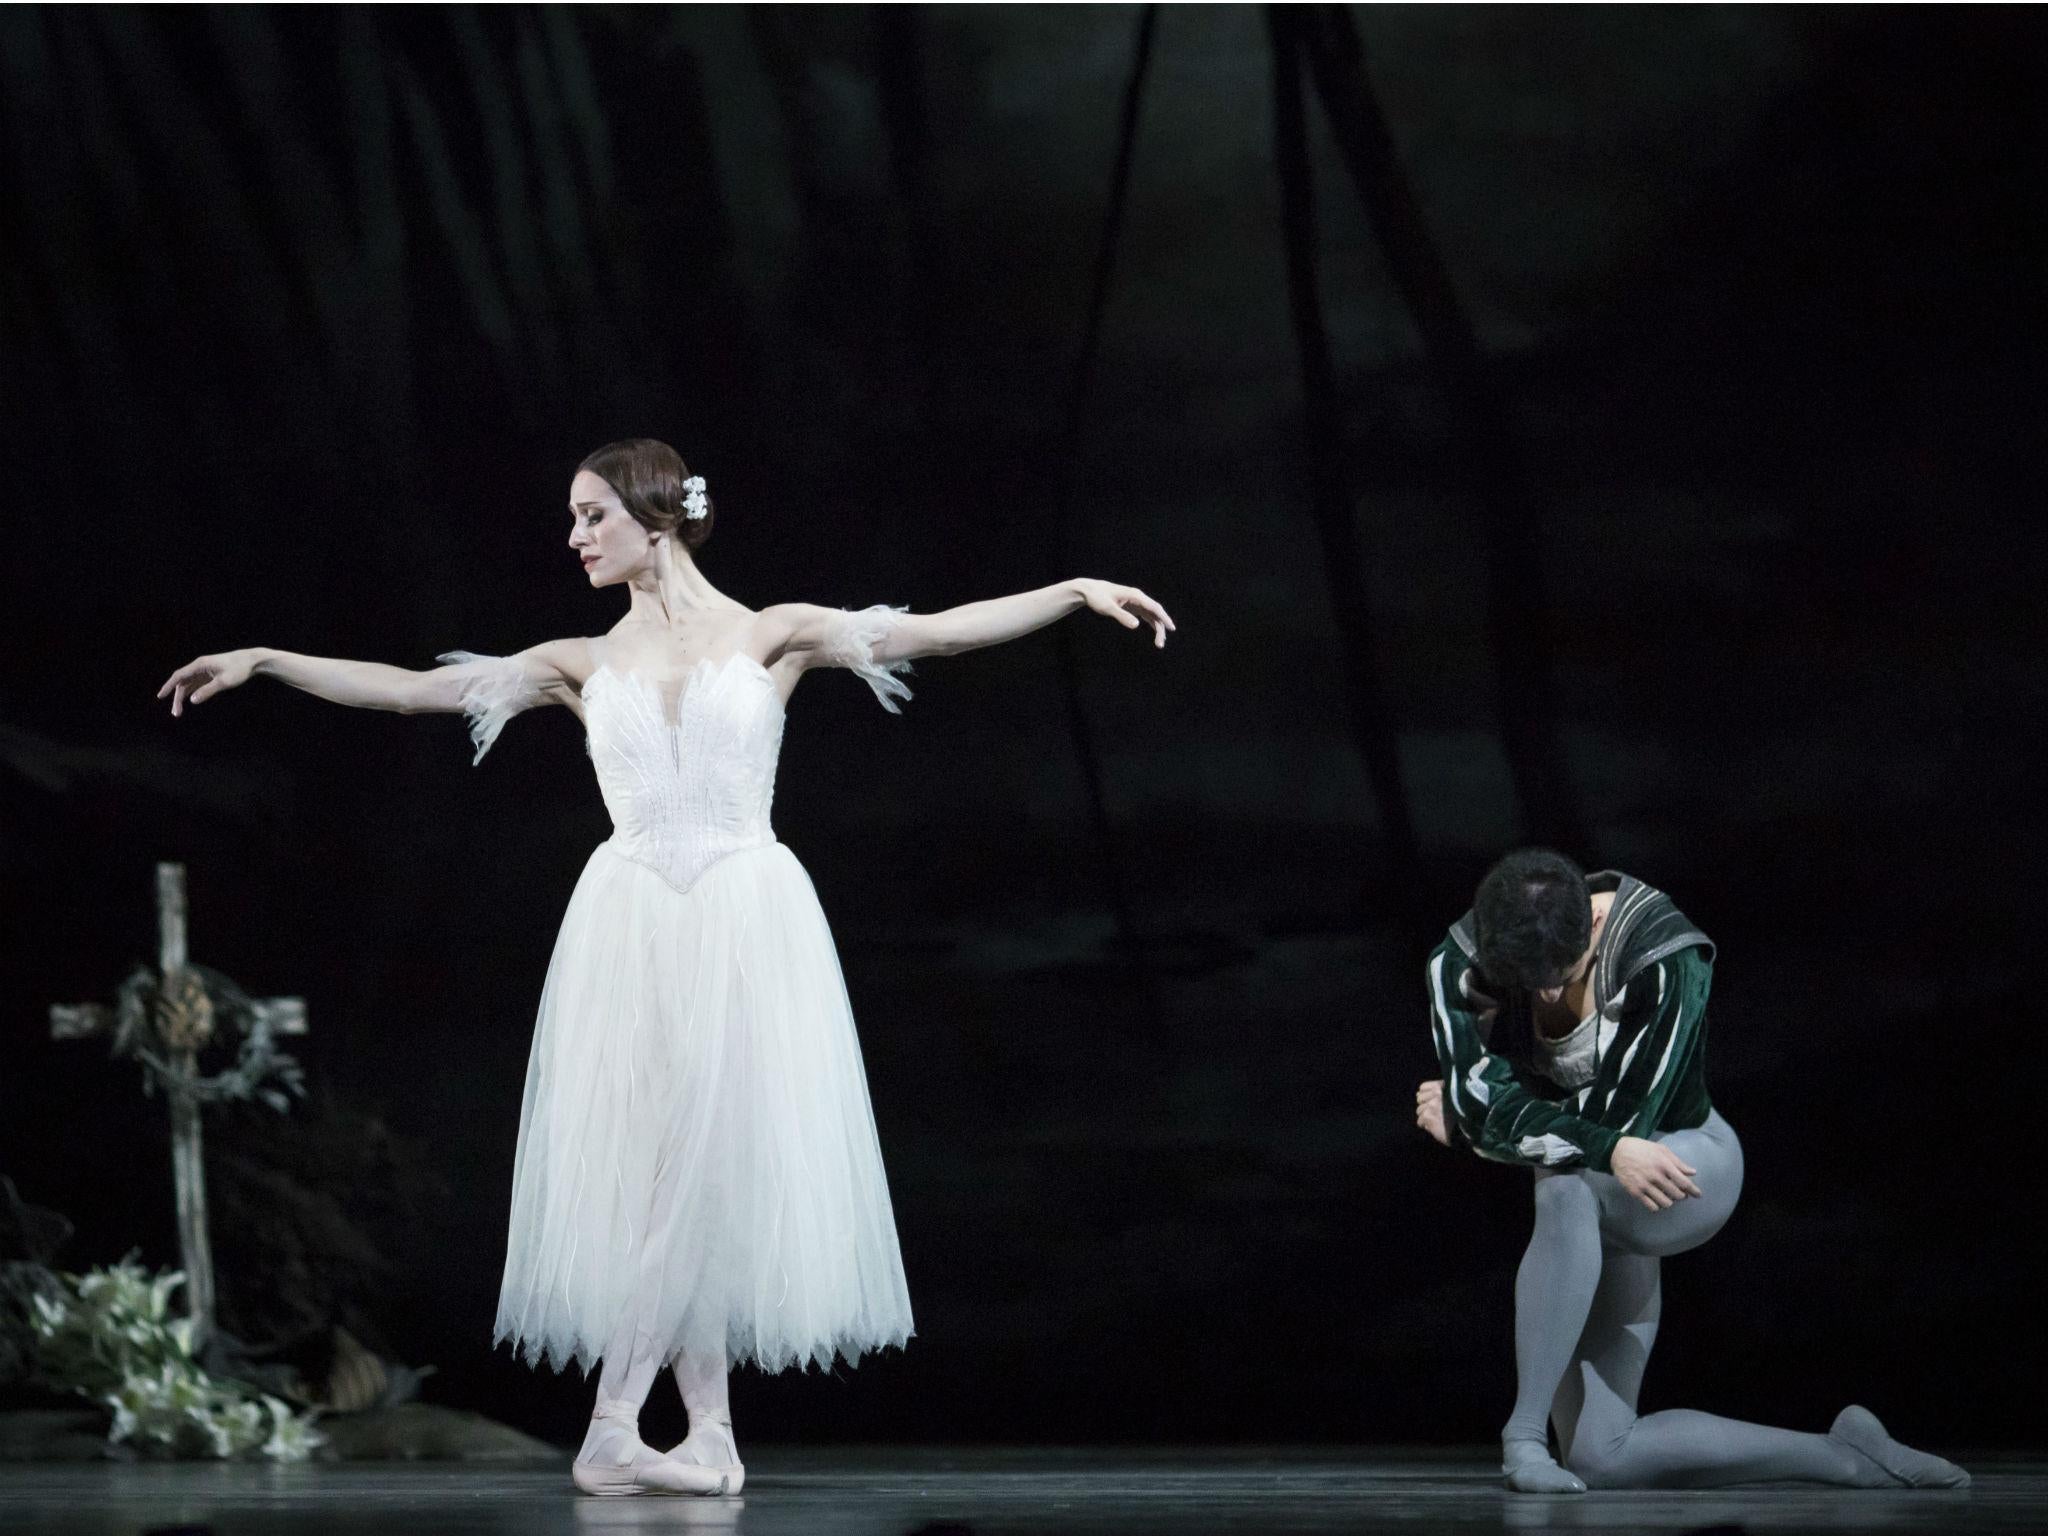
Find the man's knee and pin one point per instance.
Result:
(1566, 1197)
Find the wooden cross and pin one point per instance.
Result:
(164, 1019)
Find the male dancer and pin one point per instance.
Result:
(1570, 1020)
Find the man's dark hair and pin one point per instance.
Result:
(1533, 918)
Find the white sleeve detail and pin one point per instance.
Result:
(850, 637)
(1547, 1150)
(494, 689)
(1440, 1022)
(1475, 1081)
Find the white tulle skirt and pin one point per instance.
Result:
(698, 1168)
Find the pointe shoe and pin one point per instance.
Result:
(1859, 1429)
(657, 1474)
(710, 1447)
(623, 1464)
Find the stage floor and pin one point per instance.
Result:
(868, 1491)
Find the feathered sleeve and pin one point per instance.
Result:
(851, 636)
(494, 689)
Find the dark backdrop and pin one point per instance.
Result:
(309, 314)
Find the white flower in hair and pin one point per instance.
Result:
(694, 504)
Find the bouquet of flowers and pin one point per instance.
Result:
(109, 1336)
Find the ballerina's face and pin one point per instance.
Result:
(602, 532)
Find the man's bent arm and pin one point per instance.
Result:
(1485, 1098)
(1643, 1066)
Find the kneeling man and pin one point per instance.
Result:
(1570, 1021)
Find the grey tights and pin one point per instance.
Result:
(1587, 1300)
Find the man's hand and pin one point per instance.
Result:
(1654, 1174)
(1429, 1110)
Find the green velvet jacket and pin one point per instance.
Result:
(1650, 984)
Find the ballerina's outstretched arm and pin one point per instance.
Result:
(489, 689)
(881, 641)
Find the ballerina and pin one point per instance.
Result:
(699, 1183)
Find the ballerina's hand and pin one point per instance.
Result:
(205, 677)
(1127, 605)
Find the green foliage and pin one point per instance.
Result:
(110, 1336)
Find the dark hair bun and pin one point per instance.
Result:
(650, 478)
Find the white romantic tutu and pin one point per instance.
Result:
(697, 1154)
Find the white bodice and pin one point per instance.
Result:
(687, 769)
